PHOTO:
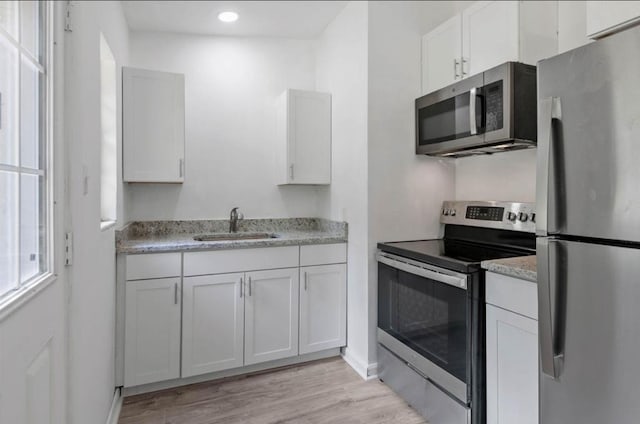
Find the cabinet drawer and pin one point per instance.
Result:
(223, 261)
(512, 294)
(320, 254)
(153, 265)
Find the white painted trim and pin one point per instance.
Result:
(249, 369)
(366, 371)
(14, 301)
(116, 407)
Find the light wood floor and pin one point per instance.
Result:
(326, 391)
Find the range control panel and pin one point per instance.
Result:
(503, 215)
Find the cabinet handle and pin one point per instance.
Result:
(305, 281)
(291, 171)
(175, 294)
(456, 74)
(181, 167)
(463, 61)
(249, 286)
(241, 284)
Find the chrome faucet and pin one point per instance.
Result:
(234, 217)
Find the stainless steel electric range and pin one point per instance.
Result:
(431, 310)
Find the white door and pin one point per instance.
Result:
(323, 307)
(441, 55)
(153, 126)
(152, 331)
(490, 35)
(271, 315)
(512, 368)
(309, 137)
(212, 323)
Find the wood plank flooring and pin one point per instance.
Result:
(326, 391)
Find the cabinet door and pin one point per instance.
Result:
(310, 137)
(489, 35)
(606, 17)
(152, 331)
(323, 307)
(212, 323)
(441, 55)
(153, 126)
(271, 315)
(512, 368)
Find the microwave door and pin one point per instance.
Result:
(449, 119)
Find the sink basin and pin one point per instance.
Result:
(234, 236)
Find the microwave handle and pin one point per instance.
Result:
(472, 111)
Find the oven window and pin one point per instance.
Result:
(428, 316)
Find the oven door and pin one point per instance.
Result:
(451, 119)
(424, 317)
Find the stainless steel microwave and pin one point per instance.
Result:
(490, 112)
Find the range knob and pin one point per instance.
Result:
(523, 217)
(452, 212)
(532, 217)
(445, 212)
(511, 216)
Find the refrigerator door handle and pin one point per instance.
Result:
(550, 351)
(550, 111)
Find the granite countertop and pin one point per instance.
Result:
(523, 267)
(176, 236)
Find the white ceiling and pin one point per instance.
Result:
(291, 19)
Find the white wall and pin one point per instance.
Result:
(509, 176)
(91, 297)
(405, 190)
(231, 85)
(341, 59)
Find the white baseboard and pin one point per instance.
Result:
(366, 371)
(116, 406)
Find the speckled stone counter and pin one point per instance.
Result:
(172, 236)
(523, 267)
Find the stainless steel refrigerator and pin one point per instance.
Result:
(588, 227)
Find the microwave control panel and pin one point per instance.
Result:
(493, 94)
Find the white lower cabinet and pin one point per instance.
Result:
(512, 352)
(323, 307)
(152, 331)
(217, 317)
(212, 323)
(271, 315)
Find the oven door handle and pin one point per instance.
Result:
(451, 280)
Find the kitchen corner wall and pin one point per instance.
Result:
(342, 70)
(231, 85)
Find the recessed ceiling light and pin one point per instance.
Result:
(228, 16)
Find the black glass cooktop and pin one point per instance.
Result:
(464, 252)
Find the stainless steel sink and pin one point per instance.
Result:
(234, 236)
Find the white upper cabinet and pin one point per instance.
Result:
(490, 35)
(606, 17)
(487, 34)
(441, 55)
(304, 136)
(153, 126)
